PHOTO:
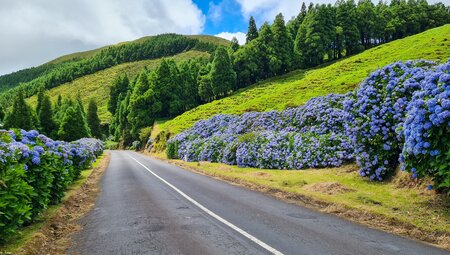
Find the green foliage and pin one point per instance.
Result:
(93, 120)
(99, 83)
(21, 114)
(223, 77)
(144, 105)
(120, 85)
(47, 125)
(205, 87)
(283, 44)
(15, 198)
(252, 32)
(73, 125)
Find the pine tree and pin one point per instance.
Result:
(294, 24)
(120, 85)
(205, 89)
(283, 45)
(252, 32)
(309, 44)
(234, 45)
(45, 116)
(73, 125)
(347, 19)
(265, 43)
(366, 21)
(2, 114)
(21, 115)
(144, 105)
(223, 77)
(93, 120)
(40, 98)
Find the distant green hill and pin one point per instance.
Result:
(68, 68)
(297, 87)
(96, 85)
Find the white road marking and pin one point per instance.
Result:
(212, 214)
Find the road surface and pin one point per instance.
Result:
(147, 206)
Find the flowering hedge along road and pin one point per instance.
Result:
(399, 114)
(35, 172)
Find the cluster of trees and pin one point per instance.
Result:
(150, 48)
(11, 80)
(67, 120)
(166, 92)
(321, 33)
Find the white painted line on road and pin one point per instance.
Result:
(212, 214)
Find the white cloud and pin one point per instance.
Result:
(239, 36)
(215, 12)
(33, 32)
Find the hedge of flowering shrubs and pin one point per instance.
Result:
(304, 137)
(35, 172)
(399, 114)
(426, 151)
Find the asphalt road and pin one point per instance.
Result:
(147, 206)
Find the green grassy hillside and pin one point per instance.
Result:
(97, 85)
(90, 53)
(297, 87)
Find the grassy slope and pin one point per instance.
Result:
(297, 87)
(97, 85)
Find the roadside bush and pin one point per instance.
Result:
(35, 172)
(426, 151)
(377, 111)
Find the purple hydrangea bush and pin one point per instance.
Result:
(303, 137)
(377, 111)
(35, 172)
(426, 151)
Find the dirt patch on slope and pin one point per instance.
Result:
(54, 235)
(330, 188)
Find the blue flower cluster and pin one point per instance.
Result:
(35, 172)
(376, 114)
(304, 137)
(426, 151)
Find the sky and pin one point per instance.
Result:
(33, 32)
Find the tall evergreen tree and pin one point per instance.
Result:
(120, 85)
(40, 98)
(93, 120)
(2, 113)
(205, 88)
(283, 45)
(21, 114)
(294, 24)
(252, 32)
(144, 105)
(265, 43)
(223, 77)
(234, 45)
(347, 19)
(366, 21)
(73, 125)
(47, 124)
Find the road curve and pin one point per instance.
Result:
(147, 206)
